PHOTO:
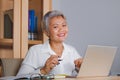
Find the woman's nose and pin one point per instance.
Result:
(60, 28)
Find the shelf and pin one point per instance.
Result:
(18, 45)
(7, 42)
(33, 42)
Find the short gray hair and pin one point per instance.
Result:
(48, 16)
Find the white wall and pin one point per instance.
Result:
(92, 22)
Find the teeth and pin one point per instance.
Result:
(61, 35)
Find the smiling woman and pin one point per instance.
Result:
(54, 56)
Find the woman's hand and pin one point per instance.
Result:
(51, 62)
(78, 63)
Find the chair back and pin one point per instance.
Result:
(10, 67)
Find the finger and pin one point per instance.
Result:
(78, 62)
(52, 61)
(55, 62)
(52, 66)
(51, 58)
(49, 66)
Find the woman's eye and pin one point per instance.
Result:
(55, 27)
(64, 25)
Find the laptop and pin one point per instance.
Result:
(97, 61)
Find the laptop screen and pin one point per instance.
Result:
(97, 61)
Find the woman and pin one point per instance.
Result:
(54, 56)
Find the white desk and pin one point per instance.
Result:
(92, 78)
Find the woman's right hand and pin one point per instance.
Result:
(51, 62)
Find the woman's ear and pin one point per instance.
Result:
(47, 33)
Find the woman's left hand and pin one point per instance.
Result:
(78, 62)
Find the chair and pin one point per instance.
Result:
(10, 67)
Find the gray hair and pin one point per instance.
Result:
(48, 16)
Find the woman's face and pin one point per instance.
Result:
(58, 29)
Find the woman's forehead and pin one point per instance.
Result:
(57, 21)
(57, 18)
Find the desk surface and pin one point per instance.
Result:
(92, 78)
(79, 78)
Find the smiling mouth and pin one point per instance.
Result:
(61, 35)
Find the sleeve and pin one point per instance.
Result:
(25, 69)
(76, 54)
(31, 58)
(29, 64)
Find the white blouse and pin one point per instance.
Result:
(38, 54)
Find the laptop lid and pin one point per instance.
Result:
(97, 61)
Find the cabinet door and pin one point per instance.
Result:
(31, 35)
(10, 28)
(47, 5)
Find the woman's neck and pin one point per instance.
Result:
(57, 47)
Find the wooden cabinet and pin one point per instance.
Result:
(14, 42)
